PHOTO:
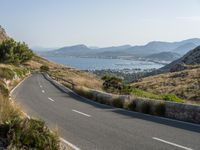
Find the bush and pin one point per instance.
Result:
(112, 84)
(132, 106)
(14, 52)
(172, 97)
(160, 109)
(44, 68)
(145, 107)
(117, 102)
(31, 134)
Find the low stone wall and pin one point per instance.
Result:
(179, 111)
(184, 112)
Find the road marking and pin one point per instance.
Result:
(70, 144)
(40, 86)
(43, 91)
(51, 99)
(18, 84)
(170, 143)
(81, 113)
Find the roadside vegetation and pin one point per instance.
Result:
(16, 130)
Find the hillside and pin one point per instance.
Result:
(184, 81)
(191, 58)
(163, 56)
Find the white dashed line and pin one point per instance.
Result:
(43, 91)
(40, 86)
(81, 113)
(51, 99)
(170, 143)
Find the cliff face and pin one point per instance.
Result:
(3, 35)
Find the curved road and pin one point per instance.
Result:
(91, 126)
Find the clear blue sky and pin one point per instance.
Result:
(55, 23)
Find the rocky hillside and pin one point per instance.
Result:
(181, 77)
(3, 35)
(191, 58)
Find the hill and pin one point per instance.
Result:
(163, 56)
(181, 77)
(191, 58)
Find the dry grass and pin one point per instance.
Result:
(8, 110)
(184, 84)
(78, 77)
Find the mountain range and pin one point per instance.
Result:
(156, 50)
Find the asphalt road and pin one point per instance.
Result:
(90, 126)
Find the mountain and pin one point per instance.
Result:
(163, 56)
(158, 46)
(183, 49)
(152, 50)
(191, 58)
(3, 35)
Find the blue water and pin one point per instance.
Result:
(99, 63)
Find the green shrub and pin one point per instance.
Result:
(132, 106)
(172, 97)
(14, 52)
(145, 107)
(112, 84)
(117, 102)
(44, 68)
(160, 109)
(6, 73)
(31, 134)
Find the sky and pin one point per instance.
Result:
(57, 23)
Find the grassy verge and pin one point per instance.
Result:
(166, 97)
(16, 131)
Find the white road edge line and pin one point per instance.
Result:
(63, 140)
(70, 144)
(81, 113)
(43, 91)
(19, 84)
(170, 143)
(51, 99)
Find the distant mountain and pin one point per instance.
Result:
(183, 49)
(153, 50)
(191, 58)
(158, 46)
(164, 56)
(3, 35)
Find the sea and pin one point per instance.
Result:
(92, 64)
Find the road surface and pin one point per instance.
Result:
(92, 126)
